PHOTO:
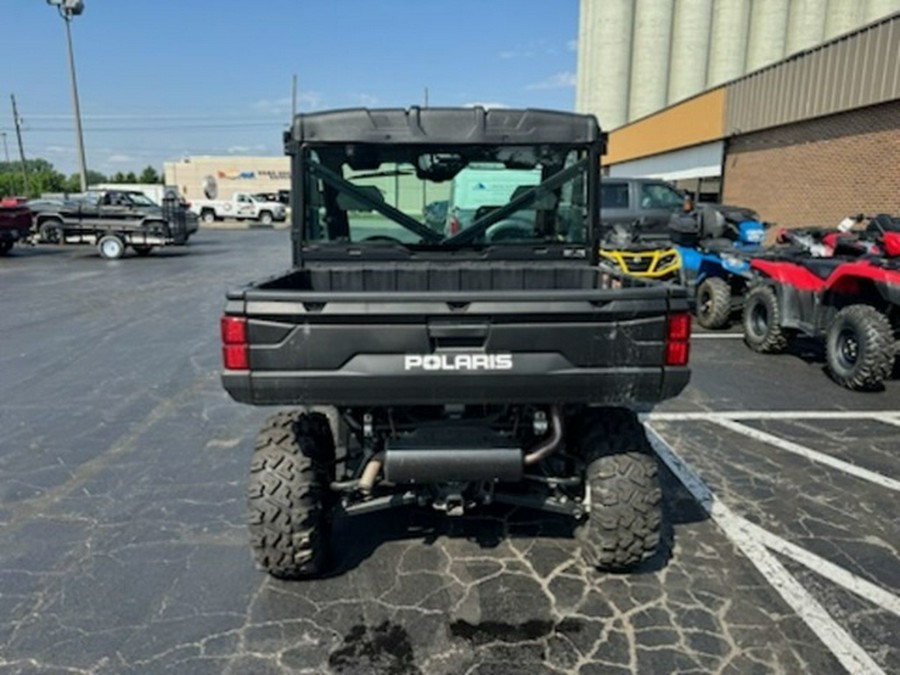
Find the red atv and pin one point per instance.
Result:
(851, 299)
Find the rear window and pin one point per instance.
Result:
(614, 195)
(489, 185)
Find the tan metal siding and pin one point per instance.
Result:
(851, 72)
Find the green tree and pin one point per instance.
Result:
(149, 175)
(130, 177)
(73, 182)
(117, 177)
(42, 177)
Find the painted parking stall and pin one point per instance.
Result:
(123, 541)
(857, 556)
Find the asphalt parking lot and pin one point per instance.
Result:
(123, 547)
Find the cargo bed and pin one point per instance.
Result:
(349, 336)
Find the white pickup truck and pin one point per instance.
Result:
(241, 206)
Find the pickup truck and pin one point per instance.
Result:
(634, 219)
(241, 206)
(15, 224)
(645, 204)
(114, 220)
(453, 371)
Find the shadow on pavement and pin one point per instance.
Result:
(356, 538)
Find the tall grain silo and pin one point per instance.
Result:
(650, 56)
(728, 40)
(875, 9)
(806, 25)
(604, 60)
(768, 33)
(843, 16)
(690, 48)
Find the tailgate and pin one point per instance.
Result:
(586, 346)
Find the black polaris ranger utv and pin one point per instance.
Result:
(425, 366)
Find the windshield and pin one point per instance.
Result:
(140, 199)
(447, 198)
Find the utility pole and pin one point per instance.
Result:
(425, 182)
(67, 9)
(18, 123)
(5, 147)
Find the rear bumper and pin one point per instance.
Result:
(13, 235)
(581, 385)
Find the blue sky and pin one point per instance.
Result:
(161, 79)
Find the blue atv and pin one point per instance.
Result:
(716, 243)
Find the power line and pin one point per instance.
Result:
(171, 127)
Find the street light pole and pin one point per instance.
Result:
(67, 9)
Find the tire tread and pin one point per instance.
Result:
(288, 496)
(624, 526)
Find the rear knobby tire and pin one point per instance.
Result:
(713, 303)
(762, 321)
(289, 498)
(860, 348)
(623, 528)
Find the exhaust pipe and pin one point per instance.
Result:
(548, 447)
(440, 459)
(370, 473)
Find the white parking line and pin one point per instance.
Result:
(889, 416)
(889, 419)
(809, 453)
(835, 573)
(853, 657)
(717, 336)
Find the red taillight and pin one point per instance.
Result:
(677, 353)
(454, 226)
(678, 335)
(234, 330)
(235, 357)
(679, 327)
(235, 353)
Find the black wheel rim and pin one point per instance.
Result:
(847, 348)
(705, 303)
(759, 319)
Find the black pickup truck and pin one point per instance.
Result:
(115, 219)
(499, 364)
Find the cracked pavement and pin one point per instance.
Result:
(123, 547)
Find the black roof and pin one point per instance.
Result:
(416, 125)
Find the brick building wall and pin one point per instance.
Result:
(818, 171)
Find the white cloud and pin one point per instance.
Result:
(367, 100)
(516, 54)
(536, 48)
(558, 81)
(308, 100)
(59, 150)
(484, 104)
(245, 149)
(119, 158)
